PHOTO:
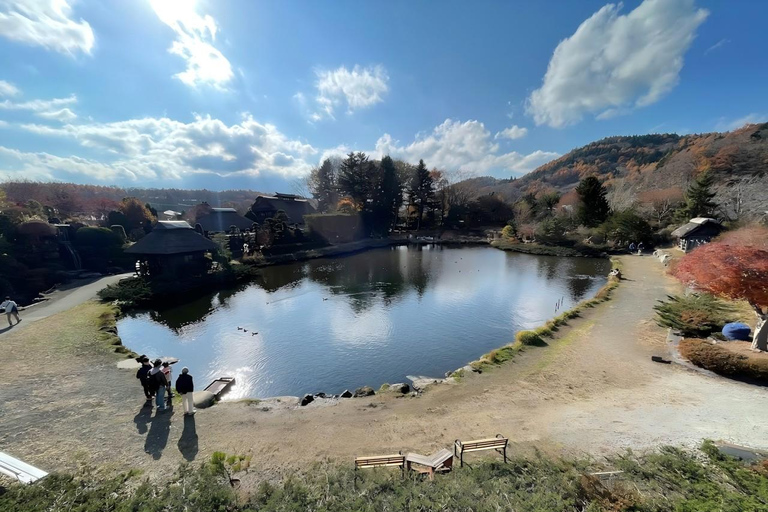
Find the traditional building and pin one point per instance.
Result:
(173, 250)
(220, 220)
(295, 207)
(698, 231)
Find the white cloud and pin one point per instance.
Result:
(616, 62)
(467, 146)
(45, 23)
(195, 35)
(8, 89)
(717, 45)
(513, 132)
(38, 105)
(64, 115)
(724, 125)
(358, 88)
(162, 148)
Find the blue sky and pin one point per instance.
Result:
(252, 94)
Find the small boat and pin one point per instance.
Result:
(220, 386)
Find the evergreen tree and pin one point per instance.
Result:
(594, 207)
(699, 197)
(389, 195)
(322, 184)
(354, 180)
(420, 190)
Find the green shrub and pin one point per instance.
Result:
(697, 314)
(131, 291)
(529, 338)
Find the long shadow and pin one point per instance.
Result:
(142, 417)
(6, 329)
(157, 438)
(188, 441)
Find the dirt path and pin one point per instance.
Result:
(594, 390)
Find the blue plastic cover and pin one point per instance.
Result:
(736, 331)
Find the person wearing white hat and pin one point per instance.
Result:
(185, 387)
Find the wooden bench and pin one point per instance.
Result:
(380, 461)
(440, 462)
(498, 443)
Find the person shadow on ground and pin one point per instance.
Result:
(159, 430)
(142, 418)
(188, 440)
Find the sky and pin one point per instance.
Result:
(252, 94)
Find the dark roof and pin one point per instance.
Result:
(293, 206)
(220, 219)
(172, 237)
(695, 225)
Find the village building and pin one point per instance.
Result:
(295, 207)
(172, 250)
(221, 220)
(698, 231)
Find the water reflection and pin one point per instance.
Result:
(374, 317)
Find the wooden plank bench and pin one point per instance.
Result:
(440, 462)
(380, 461)
(498, 443)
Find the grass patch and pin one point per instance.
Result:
(667, 480)
(718, 359)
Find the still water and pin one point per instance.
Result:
(334, 324)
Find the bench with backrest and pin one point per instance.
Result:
(498, 443)
(380, 461)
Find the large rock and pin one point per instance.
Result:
(346, 394)
(400, 387)
(203, 399)
(364, 391)
(308, 399)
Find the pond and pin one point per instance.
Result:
(333, 324)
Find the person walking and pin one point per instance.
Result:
(10, 308)
(142, 373)
(185, 387)
(158, 379)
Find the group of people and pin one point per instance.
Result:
(11, 309)
(639, 247)
(156, 378)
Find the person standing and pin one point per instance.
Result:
(158, 378)
(185, 387)
(169, 377)
(11, 308)
(142, 374)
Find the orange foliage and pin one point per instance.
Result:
(731, 270)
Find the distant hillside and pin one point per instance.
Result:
(658, 161)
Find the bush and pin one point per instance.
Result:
(697, 314)
(508, 232)
(529, 338)
(131, 291)
(722, 361)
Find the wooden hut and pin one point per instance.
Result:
(173, 250)
(698, 231)
(220, 220)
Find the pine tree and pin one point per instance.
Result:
(323, 185)
(389, 196)
(354, 179)
(699, 197)
(420, 190)
(594, 208)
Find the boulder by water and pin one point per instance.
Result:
(346, 394)
(203, 399)
(364, 391)
(308, 399)
(400, 387)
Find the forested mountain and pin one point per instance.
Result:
(646, 162)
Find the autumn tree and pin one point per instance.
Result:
(593, 206)
(137, 214)
(734, 268)
(699, 197)
(322, 183)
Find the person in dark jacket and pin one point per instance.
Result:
(142, 373)
(157, 378)
(185, 387)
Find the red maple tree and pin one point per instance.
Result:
(734, 270)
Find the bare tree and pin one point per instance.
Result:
(622, 195)
(744, 198)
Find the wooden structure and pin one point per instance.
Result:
(173, 250)
(498, 443)
(380, 461)
(220, 220)
(220, 386)
(19, 470)
(295, 207)
(698, 231)
(440, 462)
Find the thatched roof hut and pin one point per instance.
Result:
(172, 237)
(219, 220)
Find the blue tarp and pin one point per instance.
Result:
(736, 331)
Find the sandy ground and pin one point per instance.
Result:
(592, 391)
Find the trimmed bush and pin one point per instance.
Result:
(697, 314)
(722, 361)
